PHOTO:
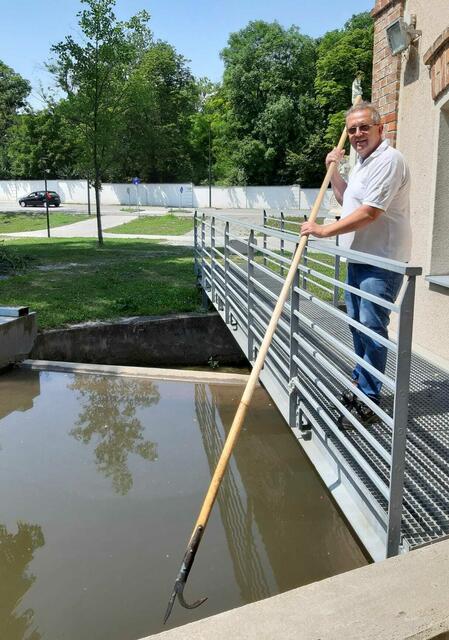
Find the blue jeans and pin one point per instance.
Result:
(384, 284)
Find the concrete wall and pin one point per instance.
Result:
(182, 339)
(17, 336)
(170, 195)
(426, 147)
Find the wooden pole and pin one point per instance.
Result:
(242, 410)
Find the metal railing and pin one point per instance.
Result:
(308, 366)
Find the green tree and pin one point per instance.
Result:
(268, 88)
(44, 140)
(94, 73)
(161, 99)
(13, 93)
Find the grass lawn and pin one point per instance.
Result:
(13, 222)
(168, 225)
(73, 280)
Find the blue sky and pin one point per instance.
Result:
(198, 29)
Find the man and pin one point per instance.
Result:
(375, 219)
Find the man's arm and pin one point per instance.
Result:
(361, 217)
(337, 182)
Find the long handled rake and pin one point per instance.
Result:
(239, 418)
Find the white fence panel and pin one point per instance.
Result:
(171, 195)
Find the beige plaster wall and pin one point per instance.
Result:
(418, 139)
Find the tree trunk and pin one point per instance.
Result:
(98, 209)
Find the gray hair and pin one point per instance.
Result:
(362, 106)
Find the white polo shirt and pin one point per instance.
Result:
(382, 180)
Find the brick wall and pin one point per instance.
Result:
(437, 58)
(386, 67)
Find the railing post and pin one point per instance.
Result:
(204, 300)
(400, 417)
(195, 243)
(294, 417)
(226, 271)
(264, 244)
(249, 290)
(336, 270)
(212, 259)
(282, 241)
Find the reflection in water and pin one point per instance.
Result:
(236, 516)
(109, 405)
(16, 552)
(16, 396)
(280, 522)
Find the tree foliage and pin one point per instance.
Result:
(268, 86)
(132, 107)
(13, 93)
(161, 98)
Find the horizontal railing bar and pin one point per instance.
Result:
(319, 285)
(237, 253)
(342, 348)
(332, 370)
(329, 247)
(346, 287)
(274, 255)
(384, 454)
(343, 462)
(392, 346)
(237, 310)
(258, 284)
(331, 267)
(271, 354)
(268, 272)
(276, 234)
(277, 338)
(236, 267)
(369, 471)
(269, 311)
(367, 258)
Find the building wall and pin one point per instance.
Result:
(423, 137)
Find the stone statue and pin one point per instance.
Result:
(357, 85)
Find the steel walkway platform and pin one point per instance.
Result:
(395, 469)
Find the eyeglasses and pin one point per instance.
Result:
(363, 128)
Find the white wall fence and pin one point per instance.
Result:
(169, 195)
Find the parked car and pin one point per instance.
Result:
(38, 198)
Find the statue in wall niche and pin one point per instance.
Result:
(344, 170)
(357, 85)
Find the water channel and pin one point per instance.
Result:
(101, 480)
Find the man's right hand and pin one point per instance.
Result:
(336, 155)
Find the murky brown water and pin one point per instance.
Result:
(101, 480)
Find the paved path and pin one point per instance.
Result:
(114, 218)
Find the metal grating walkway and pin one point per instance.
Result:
(426, 495)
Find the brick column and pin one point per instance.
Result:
(386, 67)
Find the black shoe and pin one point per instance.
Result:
(348, 399)
(366, 415)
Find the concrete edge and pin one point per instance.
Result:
(403, 598)
(152, 373)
